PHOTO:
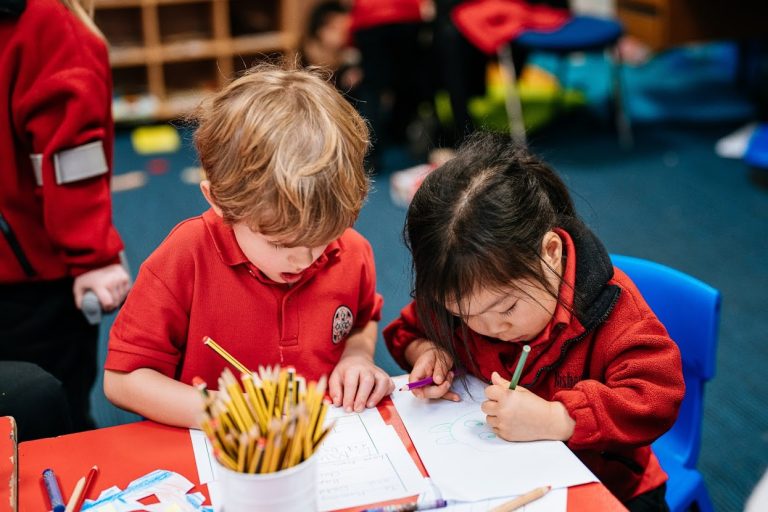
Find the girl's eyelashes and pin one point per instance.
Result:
(276, 245)
(509, 311)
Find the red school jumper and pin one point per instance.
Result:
(56, 136)
(199, 283)
(612, 365)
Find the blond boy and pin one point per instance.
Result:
(273, 271)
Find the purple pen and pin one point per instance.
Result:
(417, 384)
(411, 507)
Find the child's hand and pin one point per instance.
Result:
(435, 363)
(357, 383)
(519, 415)
(110, 284)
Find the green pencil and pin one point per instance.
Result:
(519, 369)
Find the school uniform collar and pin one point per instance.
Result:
(594, 297)
(584, 297)
(230, 253)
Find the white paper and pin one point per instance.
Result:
(361, 461)
(364, 461)
(466, 459)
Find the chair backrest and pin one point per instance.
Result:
(690, 310)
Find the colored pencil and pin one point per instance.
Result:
(418, 384)
(521, 500)
(76, 492)
(226, 355)
(89, 479)
(519, 368)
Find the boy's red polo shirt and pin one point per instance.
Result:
(199, 283)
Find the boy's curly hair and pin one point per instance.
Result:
(283, 152)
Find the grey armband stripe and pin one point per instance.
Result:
(75, 164)
(37, 167)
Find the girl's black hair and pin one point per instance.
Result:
(478, 222)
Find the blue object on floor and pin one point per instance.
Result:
(756, 154)
(690, 310)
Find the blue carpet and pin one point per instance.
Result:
(670, 199)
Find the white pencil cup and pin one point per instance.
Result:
(290, 490)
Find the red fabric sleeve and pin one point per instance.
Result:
(401, 332)
(639, 398)
(150, 330)
(62, 100)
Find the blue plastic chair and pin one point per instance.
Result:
(690, 310)
(579, 34)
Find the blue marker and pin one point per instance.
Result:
(54, 493)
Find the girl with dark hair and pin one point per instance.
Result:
(501, 260)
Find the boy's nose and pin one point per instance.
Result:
(302, 257)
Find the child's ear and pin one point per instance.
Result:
(205, 187)
(552, 250)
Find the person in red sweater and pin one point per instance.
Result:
(502, 260)
(273, 271)
(57, 239)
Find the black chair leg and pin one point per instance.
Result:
(623, 124)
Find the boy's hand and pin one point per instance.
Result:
(430, 361)
(519, 415)
(357, 383)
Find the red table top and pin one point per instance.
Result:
(126, 452)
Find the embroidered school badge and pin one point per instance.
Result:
(342, 323)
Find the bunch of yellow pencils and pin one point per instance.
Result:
(268, 421)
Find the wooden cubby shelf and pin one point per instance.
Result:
(166, 54)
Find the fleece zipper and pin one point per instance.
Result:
(15, 246)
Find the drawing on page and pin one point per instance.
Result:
(350, 439)
(469, 429)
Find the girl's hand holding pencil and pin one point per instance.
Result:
(520, 415)
(431, 376)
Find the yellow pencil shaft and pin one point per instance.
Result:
(242, 450)
(226, 460)
(236, 395)
(290, 436)
(282, 384)
(321, 438)
(318, 426)
(316, 402)
(226, 419)
(276, 450)
(298, 441)
(225, 355)
(235, 415)
(253, 467)
(255, 402)
(269, 447)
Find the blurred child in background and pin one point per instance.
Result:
(326, 43)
